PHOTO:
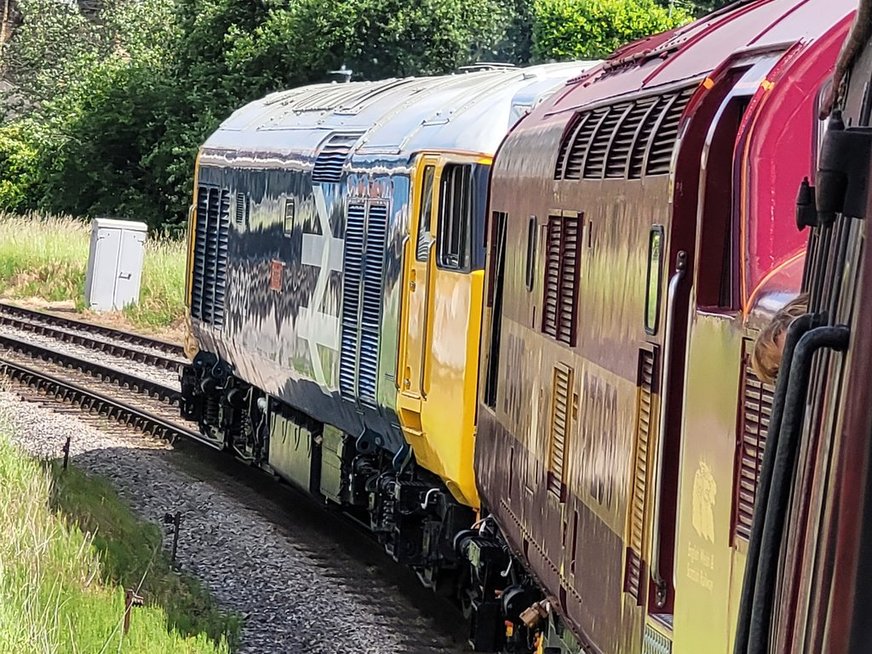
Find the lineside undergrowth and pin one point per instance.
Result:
(68, 549)
(45, 257)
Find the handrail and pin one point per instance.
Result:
(402, 332)
(426, 338)
(674, 282)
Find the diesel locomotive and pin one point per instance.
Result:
(505, 317)
(335, 285)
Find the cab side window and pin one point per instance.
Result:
(455, 217)
(422, 248)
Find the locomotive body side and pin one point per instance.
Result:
(593, 252)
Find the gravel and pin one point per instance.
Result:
(299, 588)
(166, 377)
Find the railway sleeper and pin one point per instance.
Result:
(411, 512)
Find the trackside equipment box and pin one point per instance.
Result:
(114, 264)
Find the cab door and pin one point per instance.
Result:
(417, 289)
(442, 306)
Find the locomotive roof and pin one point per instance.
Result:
(689, 52)
(466, 111)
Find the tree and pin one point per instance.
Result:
(578, 29)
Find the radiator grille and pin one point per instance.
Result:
(755, 411)
(362, 299)
(352, 273)
(561, 418)
(373, 284)
(209, 283)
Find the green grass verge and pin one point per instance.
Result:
(68, 548)
(46, 257)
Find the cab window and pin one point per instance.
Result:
(424, 237)
(455, 217)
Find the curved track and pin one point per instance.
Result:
(99, 392)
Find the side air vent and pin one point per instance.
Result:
(209, 283)
(616, 141)
(561, 419)
(595, 161)
(331, 159)
(241, 209)
(754, 413)
(370, 319)
(352, 273)
(635, 572)
(660, 152)
(561, 278)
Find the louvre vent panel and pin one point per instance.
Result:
(560, 429)
(552, 277)
(352, 272)
(564, 145)
(595, 162)
(641, 458)
(663, 143)
(209, 283)
(370, 323)
(654, 642)
(622, 144)
(581, 142)
(331, 159)
(756, 411)
(568, 280)
(561, 278)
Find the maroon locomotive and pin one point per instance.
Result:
(641, 230)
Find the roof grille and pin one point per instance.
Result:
(660, 152)
(564, 145)
(331, 159)
(595, 161)
(582, 140)
(625, 136)
(622, 140)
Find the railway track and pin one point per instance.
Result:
(134, 347)
(62, 378)
(118, 400)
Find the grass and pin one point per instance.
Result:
(45, 257)
(68, 548)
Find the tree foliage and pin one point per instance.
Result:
(117, 98)
(566, 29)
